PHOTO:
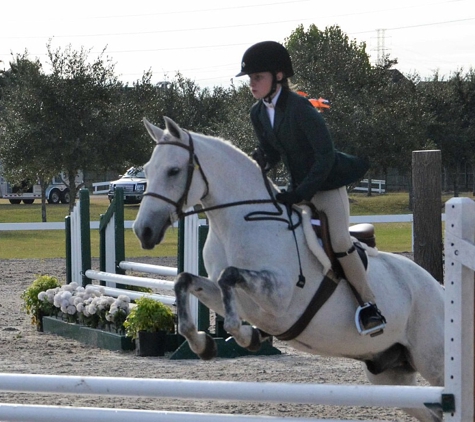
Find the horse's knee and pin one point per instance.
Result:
(229, 277)
(182, 282)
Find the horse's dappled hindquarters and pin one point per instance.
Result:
(253, 268)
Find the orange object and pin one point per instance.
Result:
(320, 104)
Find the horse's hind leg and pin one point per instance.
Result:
(208, 293)
(404, 375)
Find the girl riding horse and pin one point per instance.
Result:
(288, 128)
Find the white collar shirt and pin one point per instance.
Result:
(270, 107)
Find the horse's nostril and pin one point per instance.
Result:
(147, 233)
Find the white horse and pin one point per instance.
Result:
(253, 268)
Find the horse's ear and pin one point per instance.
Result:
(173, 128)
(155, 132)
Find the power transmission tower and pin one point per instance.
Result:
(380, 46)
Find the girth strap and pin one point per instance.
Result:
(323, 293)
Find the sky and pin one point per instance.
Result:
(205, 40)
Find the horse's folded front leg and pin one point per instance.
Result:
(200, 342)
(245, 335)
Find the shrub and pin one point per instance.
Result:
(149, 315)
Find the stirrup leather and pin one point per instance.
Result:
(374, 331)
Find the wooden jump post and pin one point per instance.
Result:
(427, 212)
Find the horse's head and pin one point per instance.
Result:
(174, 182)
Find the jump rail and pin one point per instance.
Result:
(15, 413)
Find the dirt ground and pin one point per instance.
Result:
(24, 350)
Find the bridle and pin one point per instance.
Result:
(194, 163)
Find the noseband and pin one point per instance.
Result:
(193, 163)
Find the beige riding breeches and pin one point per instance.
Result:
(335, 204)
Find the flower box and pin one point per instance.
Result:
(92, 336)
(100, 338)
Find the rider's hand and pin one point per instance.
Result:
(288, 198)
(259, 157)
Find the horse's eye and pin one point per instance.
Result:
(173, 171)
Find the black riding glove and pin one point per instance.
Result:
(288, 198)
(259, 157)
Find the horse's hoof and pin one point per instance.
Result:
(210, 351)
(255, 341)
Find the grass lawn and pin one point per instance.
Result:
(393, 237)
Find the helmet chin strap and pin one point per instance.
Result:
(273, 89)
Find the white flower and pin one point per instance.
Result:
(90, 288)
(123, 298)
(71, 310)
(65, 294)
(91, 309)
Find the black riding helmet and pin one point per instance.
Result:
(266, 56)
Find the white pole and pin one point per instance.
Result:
(149, 268)
(76, 255)
(459, 307)
(31, 413)
(326, 394)
(110, 264)
(190, 258)
(129, 279)
(114, 292)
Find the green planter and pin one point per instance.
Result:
(151, 343)
(94, 337)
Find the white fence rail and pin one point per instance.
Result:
(394, 218)
(100, 188)
(52, 226)
(377, 186)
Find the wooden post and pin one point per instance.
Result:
(426, 183)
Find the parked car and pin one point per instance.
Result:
(134, 184)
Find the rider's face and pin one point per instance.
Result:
(260, 84)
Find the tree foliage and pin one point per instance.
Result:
(451, 102)
(82, 103)
(25, 150)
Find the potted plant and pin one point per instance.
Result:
(34, 305)
(148, 323)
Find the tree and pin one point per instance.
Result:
(26, 151)
(79, 99)
(452, 103)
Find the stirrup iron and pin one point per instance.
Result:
(373, 331)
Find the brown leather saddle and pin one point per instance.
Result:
(363, 232)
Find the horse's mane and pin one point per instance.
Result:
(220, 143)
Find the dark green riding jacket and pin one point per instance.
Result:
(300, 139)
